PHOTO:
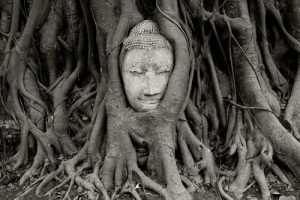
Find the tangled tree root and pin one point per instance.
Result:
(67, 110)
(253, 158)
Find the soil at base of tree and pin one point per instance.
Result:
(10, 188)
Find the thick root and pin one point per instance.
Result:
(243, 169)
(95, 180)
(39, 159)
(261, 179)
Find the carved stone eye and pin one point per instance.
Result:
(137, 73)
(165, 72)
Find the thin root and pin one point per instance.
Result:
(222, 192)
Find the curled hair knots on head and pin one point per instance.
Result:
(144, 35)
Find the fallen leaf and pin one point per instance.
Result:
(11, 186)
(91, 195)
(287, 197)
(137, 186)
(79, 189)
(275, 192)
(251, 198)
(226, 188)
(289, 189)
(272, 178)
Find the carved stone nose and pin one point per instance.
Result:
(151, 90)
(152, 87)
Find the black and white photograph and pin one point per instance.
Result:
(150, 99)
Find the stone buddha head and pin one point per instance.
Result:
(146, 62)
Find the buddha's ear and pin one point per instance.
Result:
(177, 90)
(121, 59)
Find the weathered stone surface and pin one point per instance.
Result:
(145, 66)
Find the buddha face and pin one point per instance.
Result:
(145, 76)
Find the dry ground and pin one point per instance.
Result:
(10, 189)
